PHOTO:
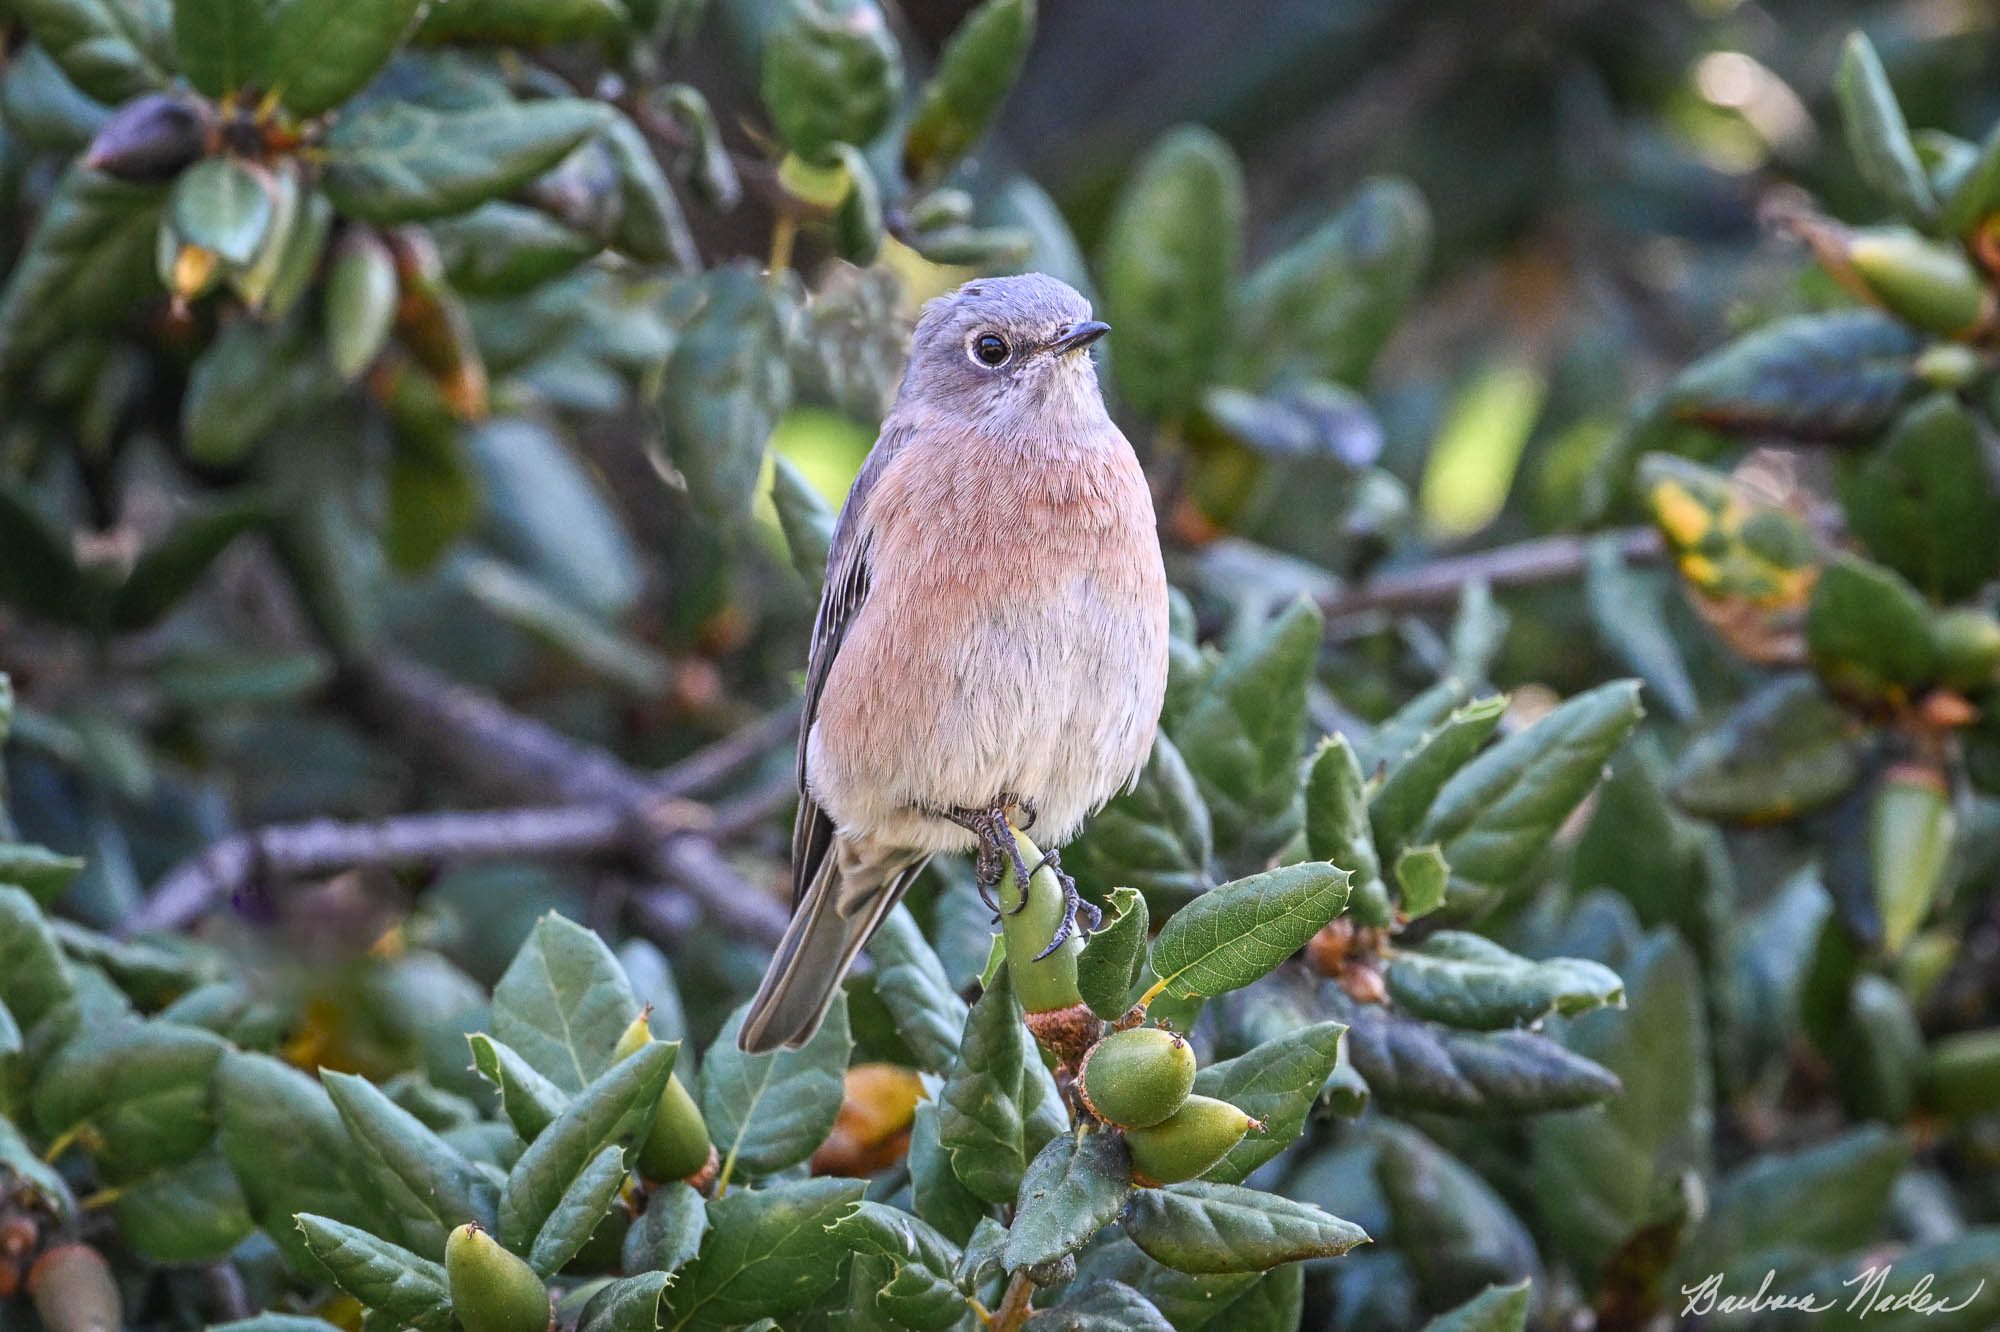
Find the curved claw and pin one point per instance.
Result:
(1062, 934)
(1073, 906)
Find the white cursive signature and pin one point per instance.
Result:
(1871, 1294)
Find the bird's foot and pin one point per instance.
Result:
(1074, 907)
(997, 847)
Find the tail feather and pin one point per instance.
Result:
(832, 924)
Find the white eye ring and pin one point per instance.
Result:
(988, 350)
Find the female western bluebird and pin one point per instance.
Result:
(992, 637)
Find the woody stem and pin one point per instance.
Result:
(1014, 1308)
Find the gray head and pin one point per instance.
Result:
(1007, 355)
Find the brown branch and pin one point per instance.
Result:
(1441, 582)
(237, 863)
(604, 807)
(521, 758)
(1015, 1305)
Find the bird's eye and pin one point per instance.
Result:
(990, 349)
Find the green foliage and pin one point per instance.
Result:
(1228, 938)
(390, 396)
(1470, 982)
(1170, 272)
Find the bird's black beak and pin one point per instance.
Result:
(1078, 336)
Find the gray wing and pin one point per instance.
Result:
(840, 600)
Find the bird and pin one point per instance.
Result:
(990, 648)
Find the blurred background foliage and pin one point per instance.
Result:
(413, 457)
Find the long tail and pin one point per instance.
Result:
(833, 922)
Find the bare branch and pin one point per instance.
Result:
(1524, 564)
(237, 863)
(605, 808)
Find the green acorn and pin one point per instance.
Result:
(1968, 644)
(633, 1039)
(1188, 1143)
(1932, 285)
(491, 1289)
(1949, 365)
(677, 1146)
(360, 306)
(1137, 1078)
(1912, 828)
(1049, 984)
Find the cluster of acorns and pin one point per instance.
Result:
(1138, 1080)
(1141, 1082)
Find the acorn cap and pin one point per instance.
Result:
(1137, 1078)
(492, 1290)
(1188, 1143)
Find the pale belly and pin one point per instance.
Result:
(1053, 698)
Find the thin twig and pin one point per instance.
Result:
(714, 764)
(1550, 559)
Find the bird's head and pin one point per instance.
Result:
(1009, 356)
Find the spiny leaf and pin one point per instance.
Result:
(1231, 936)
(1413, 782)
(322, 52)
(982, 1118)
(974, 74)
(922, 1290)
(610, 1110)
(768, 1252)
(928, 1013)
(1156, 837)
(1494, 817)
(1599, 1176)
(1786, 749)
(1414, 1065)
(563, 1003)
(391, 1281)
(1877, 135)
(431, 1188)
(1337, 827)
(1811, 377)
(1466, 981)
(1459, 1233)
(1324, 307)
(1495, 1309)
(111, 49)
(769, 1112)
(583, 1206)
(1074, 1188)
(1115, 955)
(1203, 1227)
